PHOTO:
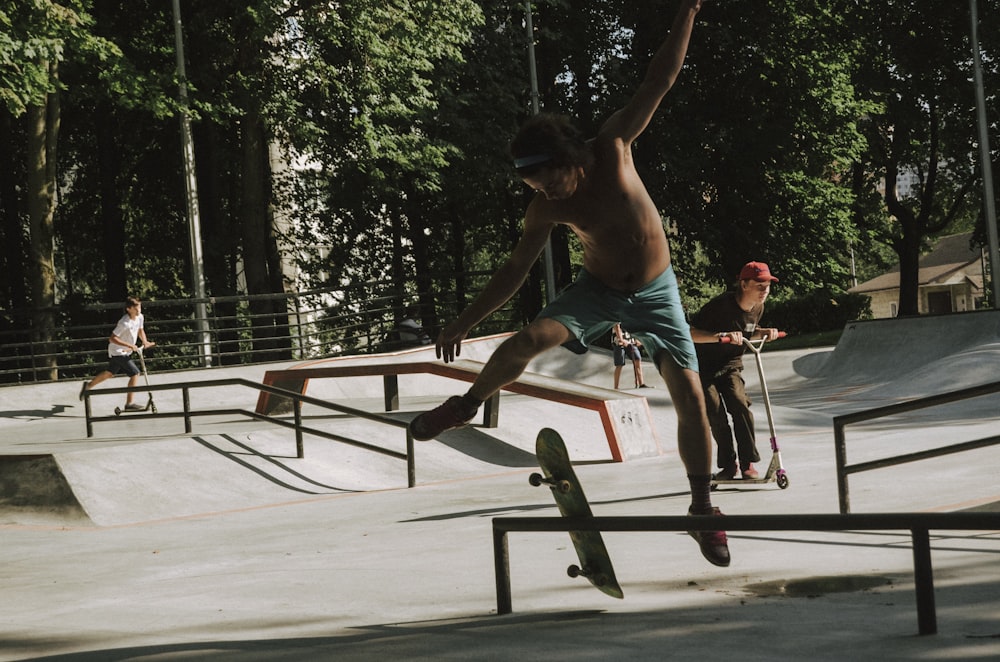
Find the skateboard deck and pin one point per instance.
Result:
(595, 563)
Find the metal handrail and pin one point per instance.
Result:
(842, 421)
(919, 525)
(298, 398)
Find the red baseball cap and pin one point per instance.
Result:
(757, 271)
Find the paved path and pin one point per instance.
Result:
(222, 545)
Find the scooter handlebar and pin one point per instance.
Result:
(725, 340)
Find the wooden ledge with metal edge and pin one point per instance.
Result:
(919, 525)
(627, 420)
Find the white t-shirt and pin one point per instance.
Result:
(127, 329)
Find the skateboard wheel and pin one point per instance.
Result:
(783, 481)
(118, 411)
(563, 486)
(574, 571)
(536, 479)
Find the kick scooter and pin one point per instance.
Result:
(775, 471)
(150, 405)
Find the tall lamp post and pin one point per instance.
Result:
(550, 278)
(989, 202)
(191, 190)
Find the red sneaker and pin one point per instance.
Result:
(447, 416)
(714, 545)
(749, 473)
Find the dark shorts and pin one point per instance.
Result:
(653, 314)
(118, 364)
(628, 351)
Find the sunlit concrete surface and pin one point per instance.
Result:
(145, 543)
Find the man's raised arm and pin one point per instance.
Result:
(630, 121)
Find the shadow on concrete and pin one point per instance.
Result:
(845, 616)
(35, 414)
(271, 461)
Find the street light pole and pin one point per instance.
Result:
(986, 167)
(191, 190)
(550, 278)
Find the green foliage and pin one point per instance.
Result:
(389, 122)
(820, 310)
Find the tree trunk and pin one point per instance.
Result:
(15, 290)
(43, 129)
(908, 249)
(258, 256)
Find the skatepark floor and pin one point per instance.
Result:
(145, 543)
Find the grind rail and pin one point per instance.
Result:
(919, 525)
(296, 424)
(840, 440)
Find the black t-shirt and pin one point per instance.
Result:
(723, 313)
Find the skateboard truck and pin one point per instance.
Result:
(563, 486)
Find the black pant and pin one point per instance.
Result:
(726, 392)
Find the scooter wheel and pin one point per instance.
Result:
(152, 408)
(118, 411)
(783, 481)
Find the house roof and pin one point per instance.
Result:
(942, 265)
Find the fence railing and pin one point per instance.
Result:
(840, 441)
(245, 329)
(188, 414)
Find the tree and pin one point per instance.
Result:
(40, 35)
(917, 65)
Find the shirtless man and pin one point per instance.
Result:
(594, 189)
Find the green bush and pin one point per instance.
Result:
(817, 311)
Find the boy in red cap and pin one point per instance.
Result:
(735, 315)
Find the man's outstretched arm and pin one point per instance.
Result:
(627, 123)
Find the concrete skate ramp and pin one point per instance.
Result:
(921, 355)
(34, 487)
(48, 471)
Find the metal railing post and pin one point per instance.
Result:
(840, 452)
(923, 575)
(501, 563)
(86, 410)
(186, 399)
(411, 460)
(390, 386)
(300, 451)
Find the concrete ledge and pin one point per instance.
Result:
(626, 418)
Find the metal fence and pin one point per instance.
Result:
(234, 330)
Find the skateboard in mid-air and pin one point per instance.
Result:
(595, 563)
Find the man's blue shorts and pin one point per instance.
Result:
(653, 314)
